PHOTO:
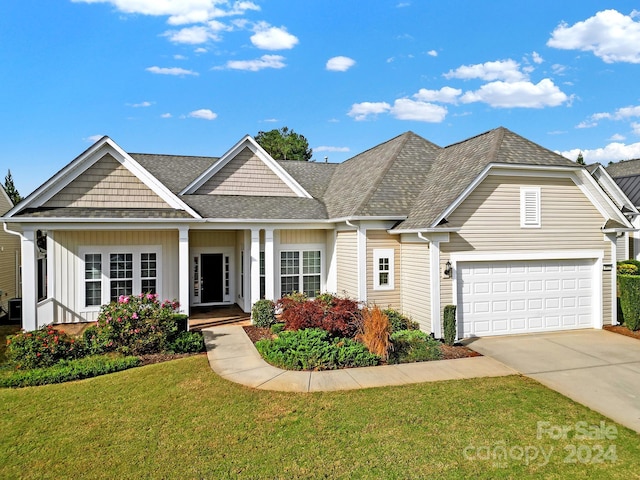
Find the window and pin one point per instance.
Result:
(106, 274)
(263, 285)
(307, 279)
(383, 265)
(530, 207)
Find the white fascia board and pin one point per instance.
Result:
(399, 231)
(599, 198)
(526, 255)
(247, 142)
(368, 218)
(613, 189)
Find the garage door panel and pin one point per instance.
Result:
(503, 297)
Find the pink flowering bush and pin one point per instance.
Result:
(133, 325)
(42, 348)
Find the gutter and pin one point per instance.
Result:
(12, 232)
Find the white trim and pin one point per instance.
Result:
(29, 281)
(254, 270)
(614, 283)
(362, 262)
(184, 285)
(434, 276)
(226, 252)
(530, 200)
(612, 188)
(269, 265)
(52, 288)
(247, 142)
(105, 251)
(378, 254)
(300, 248)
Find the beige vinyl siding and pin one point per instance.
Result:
(347, 263)
(246, 174)
(301, 237)
(379, 239)
(622, 246)
(415, 284)
(9, 259)
(67, 283)
(204, 239)
(107, 184)
(489, 220)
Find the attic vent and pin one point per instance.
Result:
(530, 207)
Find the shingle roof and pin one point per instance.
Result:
(248, 207)
(313, 177)
(624, 168)
(459, 164)
(174, 171)
(106, 213)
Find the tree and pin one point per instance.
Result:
(11, 189)
(285, 144)
(580, 160)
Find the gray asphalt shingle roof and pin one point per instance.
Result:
(174, 171)
(249, 207)
(624, 168)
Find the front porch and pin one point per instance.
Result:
(203, 317)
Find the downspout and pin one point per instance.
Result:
(4, 225)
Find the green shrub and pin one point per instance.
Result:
(182, 322)
(631, 261)
(627, 269)
(312, 349)
(449, 324)
(67, 370)
(399, 321)
(629, 286)
(187, 342)
(413, 346)
(276, 328)
(41, 348)
(263, 313)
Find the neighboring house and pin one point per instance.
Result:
(518, 237)
(626, 175)
(9, 258)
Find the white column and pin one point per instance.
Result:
(362, 263)
(29, 281)
(255, 266)
(269, 265)
(332, 262)
(184, 287)
(614, 283)
(434, 261)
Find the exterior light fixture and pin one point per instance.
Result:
(447, 269)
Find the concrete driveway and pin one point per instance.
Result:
(596, 368)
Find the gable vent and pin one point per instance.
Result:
(530, 207)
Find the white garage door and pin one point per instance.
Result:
(506, 297)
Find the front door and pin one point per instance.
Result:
(212, 278)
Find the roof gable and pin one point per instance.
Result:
(246, 169)
(5, 201)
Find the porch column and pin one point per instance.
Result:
(29, 281)
(183, 268)
(255, 266)
(269, 265)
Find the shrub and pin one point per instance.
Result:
(338, 316)
(41, 348)
(449, 324)
(343, 317)
(135, 325)
(631, 261)
(375, 331)
(67, 370)
(277, 328)
(263, 313)
(630, 300)
(413, 346)
(627, 269)
(187, 342)
(312, 349)
(399, 321)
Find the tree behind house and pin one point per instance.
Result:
(11, 189)
(285, 144)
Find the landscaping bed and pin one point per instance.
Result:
(622, 330)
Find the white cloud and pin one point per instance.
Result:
(403, 4)
(267, 37)
(444, 95)
(201, 50)
(362, 111)
(166, 115)
(609, 34)
(635, 127)
(623, 113)
(266, 61)
(93, 138)
(613, 152)
(325, 148)
(179, 57)
(407, 109)
(616, 137)
(432, 53)
(204, 114)
(558, 69)
(507, 70)
(340, 64)
(518, 94)
(535, 56)
(170, 71)
(140, 105)
(192, 35)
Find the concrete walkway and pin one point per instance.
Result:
(596, 368)
(232, 355)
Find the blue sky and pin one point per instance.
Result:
(193, 76)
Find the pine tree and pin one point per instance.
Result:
(580, 160)
(11, 189)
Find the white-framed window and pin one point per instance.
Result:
(263, 277)
(383, 268)
(301, 271)
(530, 207)
(108, 272)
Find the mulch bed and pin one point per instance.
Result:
(448, 352)
(622, 330)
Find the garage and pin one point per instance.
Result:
(511, 297)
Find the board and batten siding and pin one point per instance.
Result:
(347, 263)
(489, 220)
(246, 174)
(106, 184)
(380, 239)
(415, 283)
(66, 246)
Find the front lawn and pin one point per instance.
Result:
(180, 420)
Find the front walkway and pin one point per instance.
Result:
(232, 355)
(596, 368)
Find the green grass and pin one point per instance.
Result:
(180, 420)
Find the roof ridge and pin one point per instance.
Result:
(497, 142)
(171, 155)
(390, 161)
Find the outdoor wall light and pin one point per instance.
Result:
(447, 269)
